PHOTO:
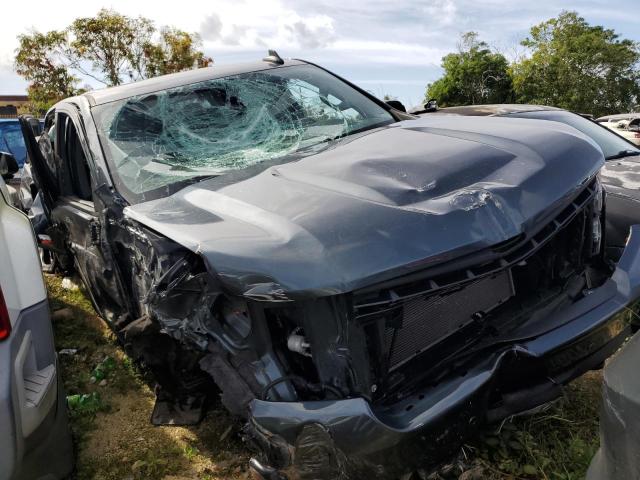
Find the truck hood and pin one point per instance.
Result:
(377, 205)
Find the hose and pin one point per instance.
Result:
(296, 378)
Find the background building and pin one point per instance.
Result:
(9, 105)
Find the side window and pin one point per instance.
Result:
(12, 141)
(73, 158)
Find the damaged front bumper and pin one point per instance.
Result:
(353, 438)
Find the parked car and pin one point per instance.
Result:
(12, 141)
(625, 125)
(620, 174)
(617, 458)
(35, 442)
(365, 288)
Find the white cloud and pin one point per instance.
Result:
(386, 53)
(211, 27)
(378, 41)
(232, 25)
(443, 12)
(313, 32)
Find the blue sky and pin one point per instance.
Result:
(387, 47)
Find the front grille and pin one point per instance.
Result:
(370, 300)
(424, 321)
(412, 323)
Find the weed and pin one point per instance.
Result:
(110, 405)
(103, 369)
(556, 444)
(151, 467)
(190, 451)
(87, 404)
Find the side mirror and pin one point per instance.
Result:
(8, 165)
(396, 104)
(431, 106)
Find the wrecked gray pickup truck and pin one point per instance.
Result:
(364, 287)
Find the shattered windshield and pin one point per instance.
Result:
(182, 134)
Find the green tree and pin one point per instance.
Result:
(175, 51)
(38, 61)
(473, 75)
(579, 67)
(111, 42)
(110, 48)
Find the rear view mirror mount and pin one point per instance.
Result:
(431, 106)
(397, 104)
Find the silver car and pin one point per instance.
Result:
(35, 442)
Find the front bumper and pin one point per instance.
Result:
(354, 439)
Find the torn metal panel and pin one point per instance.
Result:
(238, 386)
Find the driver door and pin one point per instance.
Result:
(62, 169)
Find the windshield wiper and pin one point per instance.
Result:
(201, 178)
(623, 154)
(359, 130)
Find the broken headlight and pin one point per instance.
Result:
(596, 222)
(596, 236)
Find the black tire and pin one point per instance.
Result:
(48, 260)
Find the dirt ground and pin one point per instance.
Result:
(110, 409)
(110, 406)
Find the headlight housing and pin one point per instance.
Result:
(596, 236)
(596, 222)
(598, 202)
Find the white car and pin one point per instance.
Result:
(627, 125)
(35, 442)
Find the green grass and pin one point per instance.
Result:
(555, 444)
(110, 407)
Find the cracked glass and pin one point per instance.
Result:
(183, 134)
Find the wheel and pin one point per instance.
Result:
(48, 260)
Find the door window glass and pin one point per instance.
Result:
(74, 159)
(46, 143)
(12, 141)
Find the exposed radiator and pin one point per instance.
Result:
(424, 321)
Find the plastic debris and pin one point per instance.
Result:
(102, 370)
(68, 351)
(69, 284)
